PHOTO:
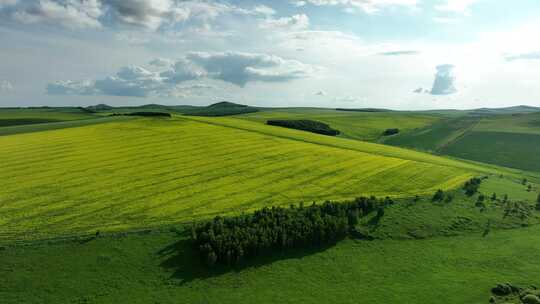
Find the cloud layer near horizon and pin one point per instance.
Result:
(163, 76)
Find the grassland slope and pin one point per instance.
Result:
(146, 172)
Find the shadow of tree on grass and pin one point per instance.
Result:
(182, 260)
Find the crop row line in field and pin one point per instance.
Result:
(132, 186)
(130, 163)
(264, 178)
(130, 148)
(370, 148)
(195, 164)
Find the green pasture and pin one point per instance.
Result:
(356, 125)
(147, 172)
(161, 268)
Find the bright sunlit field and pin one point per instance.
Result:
(150, 171)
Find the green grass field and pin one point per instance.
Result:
(146, 172)
(40, 115)
(367, 126)
(506, 140)
(159, 267)
(65, 180)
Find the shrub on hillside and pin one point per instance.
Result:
(438, 196)
(389, 132)
(472, 185)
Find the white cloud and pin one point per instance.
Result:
(145, 14)
(296, 23)
(5, 86)
(162, 62)
(183, 70)
(231, 67)
(368, 6)
(264, 10)
(69, 87)
(6, 3)
(524, 56)
(444, 83)
(240, 68)
(456, 6)
(68, 13)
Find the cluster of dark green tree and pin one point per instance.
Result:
(472, 185)
(227, 240)
(147, 114)
(389, 132)
(440, 196)
(305, 125)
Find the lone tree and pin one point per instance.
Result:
(494, 196)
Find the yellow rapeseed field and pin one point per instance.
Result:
(147, 172)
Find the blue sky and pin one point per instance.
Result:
(400, 54)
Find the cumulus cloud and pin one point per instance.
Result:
(68, 87)
(5, 86)
(524, 56)
(162, 62)
(169, 78)
(183, 70)
(240, 68)
(444, 80)
(147, 14)
(264, 10)
(368, 6)
(67, 13)
(399, 53)
(131, 81)
(296, 22)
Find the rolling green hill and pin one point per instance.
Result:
(352, 124)
(146, 172)
(26, 116)
(141, 181)
(160, 266)
(506, 140)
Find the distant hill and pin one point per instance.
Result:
(508, 110)
(223, 108)
(227, 104)
(100, 107)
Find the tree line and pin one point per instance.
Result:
(305, 125)
(228, 240)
